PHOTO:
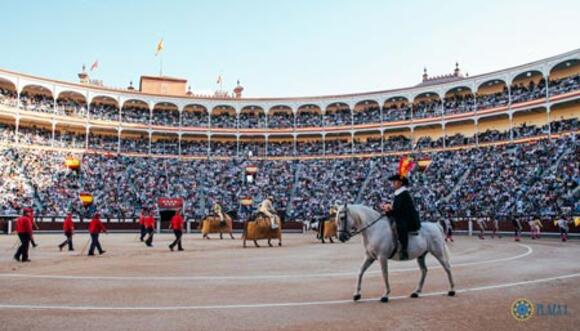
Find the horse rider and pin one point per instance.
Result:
(218, 212)
(403, 211)
(331, 216)
(267, 208)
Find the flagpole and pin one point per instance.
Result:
(161, 65)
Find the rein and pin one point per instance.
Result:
(356, 232)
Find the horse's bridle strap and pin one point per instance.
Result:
(354, 233)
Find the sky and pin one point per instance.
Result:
(283, 47)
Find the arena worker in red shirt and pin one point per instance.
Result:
(95, 228)
(24, 231)
(149, 223)
(142, 228)
(68, 228)
(177, 225)
(35, 226)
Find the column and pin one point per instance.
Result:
(443, 126)
(52, 138)
(412, 138)
(149, 142)
(511, 126)
(476, 133)
(17, 128)
(87, 137)
(548, 107)
(548, 111)
(208, 145)
(382, 141)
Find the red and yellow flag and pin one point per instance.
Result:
(406, 165)
(86, 198)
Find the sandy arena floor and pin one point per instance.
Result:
(304, 285)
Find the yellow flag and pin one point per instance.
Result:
(577, 221)
(159, 47)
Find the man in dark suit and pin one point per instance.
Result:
(404, 213)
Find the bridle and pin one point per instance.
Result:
(344, 220)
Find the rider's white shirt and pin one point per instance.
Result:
(400, 190)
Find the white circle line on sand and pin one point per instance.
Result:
(274, 305)
(529, 251)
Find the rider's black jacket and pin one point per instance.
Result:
(404, 212)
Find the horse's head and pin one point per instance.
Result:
(345, 222)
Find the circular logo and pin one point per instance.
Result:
(522, 309)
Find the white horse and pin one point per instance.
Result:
(379, 245)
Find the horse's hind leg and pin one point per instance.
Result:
(232, 235)
(221, 236)
(256, 243)
(331, 241)
(385, 270)
(423, 267)
(443, 258)
(270, 242)
(366, 264)
(280, 241)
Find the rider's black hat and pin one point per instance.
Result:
(403, 179)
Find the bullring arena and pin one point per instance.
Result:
(165, 205)
(302, 285)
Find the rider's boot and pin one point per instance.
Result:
(403, 255)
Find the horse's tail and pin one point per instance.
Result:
(245, 229)
(446, 252)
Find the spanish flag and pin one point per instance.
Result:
(86, 198)
(159, 47)
(423, 164)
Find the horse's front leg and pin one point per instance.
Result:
(365, 265)
(383, 260)
(423, 267)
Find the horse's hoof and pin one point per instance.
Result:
(356, 297)
(451, 293)
(385, 299)
(414, 295)
(280, 244)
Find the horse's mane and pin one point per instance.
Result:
(365, 210)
